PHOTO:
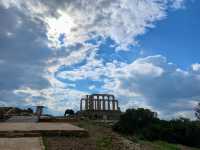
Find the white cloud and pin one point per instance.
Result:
(56, 27)
(162, 89)
(177, 4)
(143, 69)
(112, 19)
(65, 26)
(151, 82)
(196, 67)
(76, 21)
(70, 57)
(92, 87)
(93, 69)
(54, 98)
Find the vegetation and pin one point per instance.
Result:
(145, 124)
(44, 139)
(102, 137)
(104, 143)
(69, 112)
(160, 145)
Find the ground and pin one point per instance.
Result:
(28, 143)
(101, 137)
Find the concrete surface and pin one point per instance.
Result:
(23, 119)
(37, 129)
(38, 126)
(21, 143)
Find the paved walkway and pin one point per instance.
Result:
(22, 129)
(23, 119)
(21, 143)
(26, 135)
(19, 126)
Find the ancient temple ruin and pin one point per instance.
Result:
(100, 106)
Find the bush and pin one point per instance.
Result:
(144, 123)
(133, 120)
(69, 112)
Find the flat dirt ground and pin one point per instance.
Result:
(101, 137)
(33, 143)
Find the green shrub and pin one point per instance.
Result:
(104, 143)
(145, 124)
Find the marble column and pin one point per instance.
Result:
(104, 104)
(113, 98)
(108, 102)
(100, 100)
(86, 104)
(100, 104)
(113, 104)
(81, 105)
(92, 103)
(95, 104)
(117, 105)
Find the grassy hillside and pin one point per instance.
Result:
(103, 138)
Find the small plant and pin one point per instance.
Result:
(104, 143)
(44, 140)
(165, 146)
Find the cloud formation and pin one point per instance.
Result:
(80, 21)
(163, 85)
(146, 82)
(46, 47)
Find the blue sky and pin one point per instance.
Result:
(145, 52)
(176, 37)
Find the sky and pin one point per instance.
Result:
(145, 52)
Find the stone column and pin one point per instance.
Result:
(113, 97)
(100, 104)
(117, 104)
(86, 103)
(92, 102)
(104, 105)
(113, 104)
(95, 104)
(89, 102)
(81, 104)
(108, 102)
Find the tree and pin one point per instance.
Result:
(69, 112)
(30, 110)
(197, 111)
(145, 124)
(133, 120)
